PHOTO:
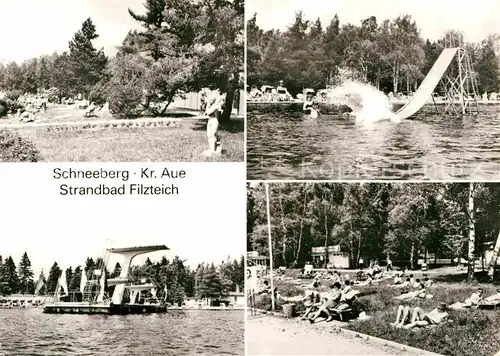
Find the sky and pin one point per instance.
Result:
(205, 223)
(30, 28)
(477, 19)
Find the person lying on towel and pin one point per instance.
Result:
(494, 297)
(419, 293)
(470, 302)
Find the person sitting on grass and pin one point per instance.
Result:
(331, 301)
(417, 283)
(348, 296)
(311, 302)
(419, 318)
(427, 282)
(397, 279)
(419, 293)
(470, 302)
(412, 279)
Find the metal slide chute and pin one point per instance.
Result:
(429, 84)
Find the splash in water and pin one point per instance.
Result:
(367, 103)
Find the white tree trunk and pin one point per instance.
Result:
(493, 262)
(472, 234)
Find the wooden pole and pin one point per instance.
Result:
(270, 246)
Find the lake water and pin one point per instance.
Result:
(284, 145)
(194, 332)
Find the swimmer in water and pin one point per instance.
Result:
(309, 107)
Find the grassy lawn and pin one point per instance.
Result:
(471, 332)
(183, 143)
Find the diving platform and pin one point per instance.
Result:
(121, 283)
(108, 309)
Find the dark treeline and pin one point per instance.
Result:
(207, 281)
(373, 221)
(390, 55)
(171, 54)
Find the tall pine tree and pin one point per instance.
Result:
(26, 284)
(10, 281)
(54, 274)
(87, 63)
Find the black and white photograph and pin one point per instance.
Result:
(373, 269)
(121, 276)
(364, 90)
(122, 81)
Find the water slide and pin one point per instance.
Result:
(430, 82)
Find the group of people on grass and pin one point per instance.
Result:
(409, 318)
(339, 298)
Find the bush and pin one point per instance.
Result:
(124, 100)
(4, 109)
(12, 95)
(99, 93)
(8, 106)
(13, 148)
(53, 95)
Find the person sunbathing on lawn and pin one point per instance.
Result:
(419, 293)
(470, 302)
(419, 317)
(405, 284)
(331, 301)
(494, 297)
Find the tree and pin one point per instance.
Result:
(116, 271)
(487, 66)
(88, 65)
(26, 284)
(156, 64)
(69, 276)
(54, 274)
(222, 58)
(9, 281)
(74, 281)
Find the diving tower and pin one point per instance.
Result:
(128, 255)
(102, 305)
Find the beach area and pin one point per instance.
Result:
(268, 335)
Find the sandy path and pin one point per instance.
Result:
(275, 336)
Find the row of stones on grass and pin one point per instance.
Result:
(170, 123)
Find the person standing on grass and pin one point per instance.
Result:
(213, 111)
(389, 264)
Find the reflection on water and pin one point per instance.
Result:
(30, 332)
(430, 146)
